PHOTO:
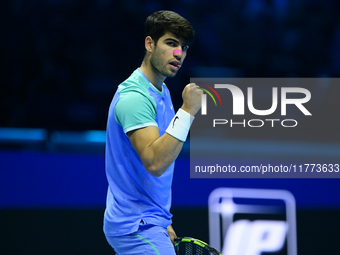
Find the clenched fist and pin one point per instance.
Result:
(192, 97)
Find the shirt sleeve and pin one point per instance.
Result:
(134, 111)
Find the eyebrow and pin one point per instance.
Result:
(172, 39)
(175, 40)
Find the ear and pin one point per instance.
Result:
(149, 43)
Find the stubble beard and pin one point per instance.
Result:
(156, 63)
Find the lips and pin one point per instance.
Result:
(175, 64)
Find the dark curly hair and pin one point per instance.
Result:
(161, 22)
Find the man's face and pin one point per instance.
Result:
(168, 55)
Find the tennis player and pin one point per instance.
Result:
(144, 137)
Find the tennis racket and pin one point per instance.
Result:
(192, 246)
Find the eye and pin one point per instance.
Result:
(172, 44)
(185, 47)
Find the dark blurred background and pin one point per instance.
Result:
(61, 61)
(60, 64)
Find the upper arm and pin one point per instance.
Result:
(136, 114)
(156, 152)
(142, 138)
(137, 118)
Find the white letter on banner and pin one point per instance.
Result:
(238, 97)
(253, 238)
(298, 102)
(261, 112)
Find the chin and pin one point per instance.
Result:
(172, 74)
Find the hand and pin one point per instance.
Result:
(172, 234)
(192, 97)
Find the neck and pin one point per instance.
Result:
(152, 74)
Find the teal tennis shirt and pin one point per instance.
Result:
(134, 195)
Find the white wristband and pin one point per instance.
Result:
(180, 125)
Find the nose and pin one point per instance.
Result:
(178, 51)
(178, 54)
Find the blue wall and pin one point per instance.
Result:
(74, 180)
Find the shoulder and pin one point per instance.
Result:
(135, 87)
(134, 98)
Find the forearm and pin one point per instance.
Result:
(165, 149)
